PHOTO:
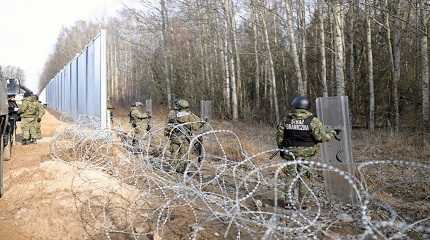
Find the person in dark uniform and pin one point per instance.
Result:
(300, 133)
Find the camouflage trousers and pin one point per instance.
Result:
(28, 126)
(38, 126)
(291, 171)
(138, 133)
(178, 148)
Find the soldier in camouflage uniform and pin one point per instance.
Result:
(299, 133)
(139, 122)
(41, 113)
(180, 126)
(28, 112)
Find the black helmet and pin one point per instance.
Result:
(301, 102)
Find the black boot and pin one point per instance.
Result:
(24, 142)
(33, 141)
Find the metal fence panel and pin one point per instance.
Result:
(74, 88)
(148, 106)
(67, 88)
(93, 82)
(206, 110)
(63, 91)
(334, 113)
(80, 88)
(82, 83)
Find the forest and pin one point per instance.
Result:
(251, 57)
(9, 72)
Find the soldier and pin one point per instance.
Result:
(139, 122)
(300, 134)
(180, 126)
(41, 113)
(28, 112)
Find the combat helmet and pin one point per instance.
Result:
(182, 104)
(301, 102)
(138, 104)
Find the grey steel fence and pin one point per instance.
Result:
(80, 88)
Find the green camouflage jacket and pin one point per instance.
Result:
(40, 109)
(319, 133)
(136, 116)
(29, 108)
(180, 117)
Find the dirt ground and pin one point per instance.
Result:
(40, 200)
(40, 194)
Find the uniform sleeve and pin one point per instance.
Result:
(280, 133)
(170, 121)
(319, 131)
(196, 122)
(41, 110)
(23, 108)
(36, 109)
(137, 114)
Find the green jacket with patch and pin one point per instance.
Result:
(315, 129)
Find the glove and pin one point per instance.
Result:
(337, 131)
(148, 128)
(39, 119)
(16, 109)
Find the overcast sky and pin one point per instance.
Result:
(29, 29)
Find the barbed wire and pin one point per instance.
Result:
(230, 194)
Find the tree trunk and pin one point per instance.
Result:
(239, 89)
(294, 53)
(340, 62)
(322, 48)
(166, 52)
(396, 75)
(225, 57)
(332, 54)
(229, 32)
(271, 67)
(370, 70)
(302, 13)
(351, 46)
(257, 60)
(424, 67)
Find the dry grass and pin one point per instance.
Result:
(382, 145)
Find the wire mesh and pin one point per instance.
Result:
(230, 194)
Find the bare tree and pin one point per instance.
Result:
(255, 16)
(370, 68)
(322, 47)
(339, 47)
(271, 66)
(293, 45)
(302, 27)
(166, 52)
(424, 21)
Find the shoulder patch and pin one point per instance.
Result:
(182, 114)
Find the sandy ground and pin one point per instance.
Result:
(24, 158)
(40, 194)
